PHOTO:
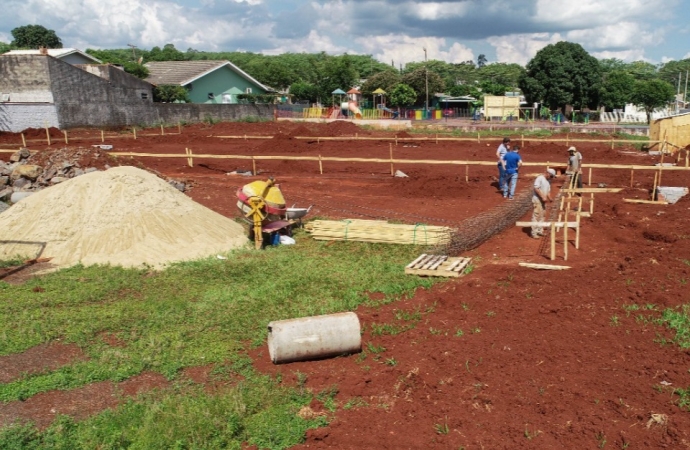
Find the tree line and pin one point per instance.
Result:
(559, 74)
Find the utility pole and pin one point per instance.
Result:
(134, 55)
(685, 97)
(426, 76)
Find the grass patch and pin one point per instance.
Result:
(678, 319)
(195, 313)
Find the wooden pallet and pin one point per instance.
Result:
(437, 266)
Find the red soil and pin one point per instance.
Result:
(546, 359)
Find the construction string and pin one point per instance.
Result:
(472, 232)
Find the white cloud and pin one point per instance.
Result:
(636, 54)
(435, 10)
(249, 2)
(403, 49)
(687, 55)
(665, 59)
(623, 35)
(592, 13)
(520, 48)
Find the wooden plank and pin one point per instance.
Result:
(592, 191)
(543, 266)
(454, 264)
(448, 267)
(546, 224)
(424, 262)
(462, 265)
(412, 264)
(646, 202)
(439, 261)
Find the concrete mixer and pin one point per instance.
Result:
(263, 206)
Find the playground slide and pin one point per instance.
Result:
(388, 110)
(355, 110)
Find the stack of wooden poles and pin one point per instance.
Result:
(377, 231)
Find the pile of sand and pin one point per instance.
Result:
(123, 216)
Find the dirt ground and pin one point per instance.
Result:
(503, 358)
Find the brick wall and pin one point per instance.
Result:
(17, 117)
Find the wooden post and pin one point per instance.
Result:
(522, 140)
(632, 176)
(577, 230)
(64, 132)
(654, 188)
(391, 151)
(48, 135)
(179, 127)
(102, 136)
(356, 135)
(611, 143)
(162, 131)
(589, 181)
(253, 166)
(437, 138)
(686, 157)
(134, 131)
(567, 139)
(190, 161)
(320, 165)
(591, 203)
(318, 140)
(467, 173)
(553, 241)
(245, 137)
(23, 140)
(565, 235)
(478, 138)
(661, 166)
(396, 140)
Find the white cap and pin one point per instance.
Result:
(551, 172)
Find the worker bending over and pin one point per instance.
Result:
(542, 194)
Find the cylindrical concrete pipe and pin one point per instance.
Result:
(314, 337)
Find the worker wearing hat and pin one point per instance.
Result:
(542, 195)
(575, 166)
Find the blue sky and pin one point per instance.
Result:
(392, 31)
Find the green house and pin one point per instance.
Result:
(206, 81)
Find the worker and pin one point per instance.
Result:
(542, 195)
(575, 166)
(511, 163)
(500, 152)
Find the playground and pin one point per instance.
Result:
(503, 357)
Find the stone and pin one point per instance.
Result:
(4, 207)
(5, 193)
(180, 186)
(4, 180)
(400, 174)
(90, 169)
(78, 172)
(56, 180)
(21, 183)
(20, 154)
(29, 171)
(17, 196)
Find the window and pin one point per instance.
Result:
(211, 96)
(248, 91)
(144, 96)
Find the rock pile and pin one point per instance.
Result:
(28, 172)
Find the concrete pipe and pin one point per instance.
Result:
(314, 337)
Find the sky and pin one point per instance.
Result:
(397, 32)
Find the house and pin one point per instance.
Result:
(38, 90)
(68, 55)
(206, 81)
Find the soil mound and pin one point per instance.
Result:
(123, 216)
(343, 128)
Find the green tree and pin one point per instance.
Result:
(669, 72)
(169, 93)
(617, 89)
(4, 48)
(481, 60)
(642, 70)
(136, 69)
(610, 64)
(385, 80)
(465, 89)
(35, 36)
(652, 94)
(504, 74)
(417, 81)
(113, 56)
(338, 73)
(168, 53)
(302, 90)
(402, 95)
(562, 74)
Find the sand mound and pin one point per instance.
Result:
(124, 216)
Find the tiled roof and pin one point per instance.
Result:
(54, 52)
(185, 72)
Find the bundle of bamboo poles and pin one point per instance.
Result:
(377, 231)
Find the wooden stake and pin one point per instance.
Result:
(320, 166)
(478, 140)
(661, 165)
(391, 151)
(134, 131)
(66, 139)
(48, 135)
(577, 230)
(567, 139)
(102, 136)
(162, 131)
(656, 175)
(589, 182)
(396, 140)
(437, 138)
(467, 173)
(179, 127)
(686, 157)
(522, 140)
(318, 140)
(565, 237)
(611, 143)
(253, 166)
(553, 241)
(632, 176)
(591, 203)
(23, 140)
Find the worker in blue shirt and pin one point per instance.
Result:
(511, 163)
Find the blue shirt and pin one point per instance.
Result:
(512, 159)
